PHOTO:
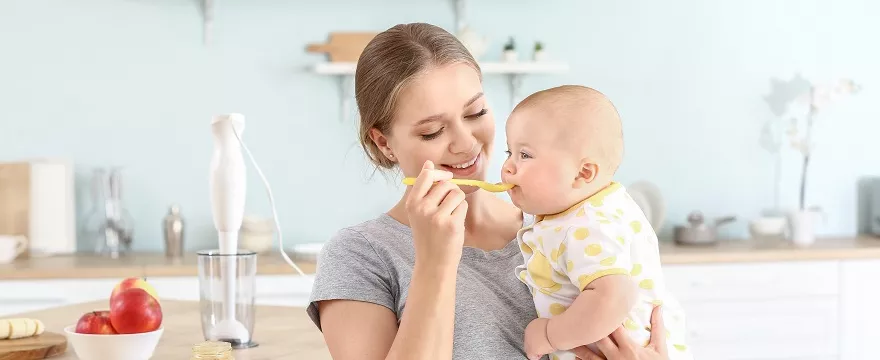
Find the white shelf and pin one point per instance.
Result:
(511, 68)
(513, 71)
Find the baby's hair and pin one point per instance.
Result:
(589, 109)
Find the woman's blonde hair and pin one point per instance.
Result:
(388, 63)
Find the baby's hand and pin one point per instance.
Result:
(536, 342)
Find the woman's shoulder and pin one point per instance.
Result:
(356, 264)
(377, 233)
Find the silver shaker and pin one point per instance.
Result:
(173, 230)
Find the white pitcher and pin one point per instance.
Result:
(803, 226)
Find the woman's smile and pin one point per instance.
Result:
(466, 168)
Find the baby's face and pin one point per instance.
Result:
(543, 170)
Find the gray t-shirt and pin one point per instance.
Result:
(373, 262)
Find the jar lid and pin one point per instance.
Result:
(211, 348)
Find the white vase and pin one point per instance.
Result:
(540, 55)
(510, 56)
(803, 226)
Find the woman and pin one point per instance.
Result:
(433, 278)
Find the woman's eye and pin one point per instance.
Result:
(432, 136)
(478, 114)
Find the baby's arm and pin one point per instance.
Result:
(598, 261)
(600, 309)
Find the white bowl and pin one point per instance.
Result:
(113, 347)
(768, 226)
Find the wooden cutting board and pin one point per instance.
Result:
(43, 346)
(344, 46)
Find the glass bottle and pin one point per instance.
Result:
(212, 350)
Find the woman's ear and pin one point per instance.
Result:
(382, 143)
(586, 174)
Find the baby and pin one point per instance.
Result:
(591, 257)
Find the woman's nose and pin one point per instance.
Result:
(463, 141)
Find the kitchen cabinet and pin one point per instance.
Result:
(780, 310)
(807, 310)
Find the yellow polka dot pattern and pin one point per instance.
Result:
(581, 233)
(636, 270)
(525, 248)
(557, 253)
(646, 284)
(541, 273)
(636, 226)
(593, 249)
(557, 308)
(608, 261)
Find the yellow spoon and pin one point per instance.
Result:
(481, 184)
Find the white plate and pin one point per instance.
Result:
(648, 196)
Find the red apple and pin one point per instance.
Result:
(135, 311)
(132, 283)
(95, 322)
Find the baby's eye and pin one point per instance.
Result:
(507, 152)
(523, 155)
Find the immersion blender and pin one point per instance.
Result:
(228, 186)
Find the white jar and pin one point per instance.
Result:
(256, 234)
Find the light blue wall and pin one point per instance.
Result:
(128, 82)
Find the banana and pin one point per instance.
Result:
(17, 328)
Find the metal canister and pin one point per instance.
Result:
(173, 230)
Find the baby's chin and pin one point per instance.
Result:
(525, 206)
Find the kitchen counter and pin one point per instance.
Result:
(155, 264)
(86, 266)
(733, 251)
(280, 332)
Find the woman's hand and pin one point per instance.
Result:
(436, 210)
(619, 346)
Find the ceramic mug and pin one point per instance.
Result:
(11, 247)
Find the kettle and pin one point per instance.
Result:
(698, 232)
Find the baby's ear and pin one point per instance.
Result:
(586, 174)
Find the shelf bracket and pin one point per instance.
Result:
(515, 82)
(460, 14)
(346, 95)
(207, 7)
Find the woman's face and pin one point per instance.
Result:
(443, 116)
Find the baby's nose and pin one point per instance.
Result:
(508, 174)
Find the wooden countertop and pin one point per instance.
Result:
(155, 264)
(737, 251)
(280, 332)
(82, 266)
